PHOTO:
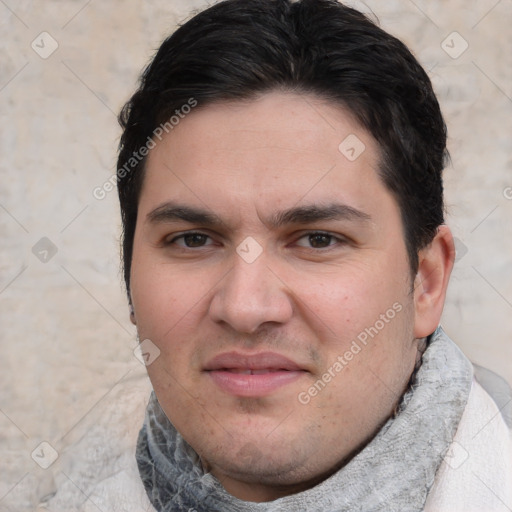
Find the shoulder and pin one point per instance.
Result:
(476, 473)
(97, 469)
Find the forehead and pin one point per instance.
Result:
(271, 152)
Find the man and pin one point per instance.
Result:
(286, 262)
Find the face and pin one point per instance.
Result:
(270, 270)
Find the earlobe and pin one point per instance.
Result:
(132, 315)
(431, 282)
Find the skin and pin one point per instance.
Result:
(305, 297)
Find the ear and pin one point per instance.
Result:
(434, 269)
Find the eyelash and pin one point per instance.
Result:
(338, 239)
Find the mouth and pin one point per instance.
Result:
(252, 375)
(243, 371)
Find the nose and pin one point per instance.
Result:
(251, 295)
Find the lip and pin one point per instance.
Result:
(259, 361)
(252, 375)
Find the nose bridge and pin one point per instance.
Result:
(250, 295)
(250, 280)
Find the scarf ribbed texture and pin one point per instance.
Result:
(393, 473)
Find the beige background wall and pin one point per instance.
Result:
(65, 337)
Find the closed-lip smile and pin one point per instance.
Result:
(252, 375)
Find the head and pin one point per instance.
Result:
(283, 215)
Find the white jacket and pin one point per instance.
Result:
(476, 475)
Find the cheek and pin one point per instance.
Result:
(345, 301)
(164, 299)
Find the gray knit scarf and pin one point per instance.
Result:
(394, 472)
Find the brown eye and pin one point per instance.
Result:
(195, 240)
(191, 240)
(320, 240)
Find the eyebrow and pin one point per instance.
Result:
(170, 211)
(313, 213)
